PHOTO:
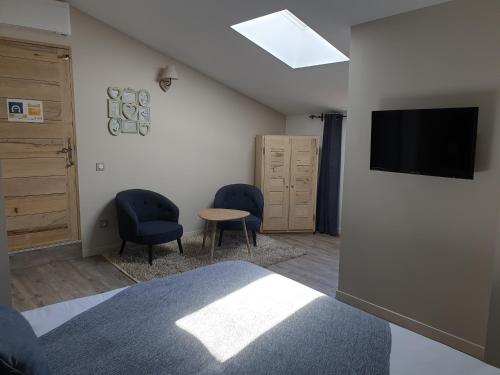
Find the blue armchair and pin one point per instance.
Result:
(147, 218)
(241, 197)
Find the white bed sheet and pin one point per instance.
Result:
(412, 354)
(45, 319)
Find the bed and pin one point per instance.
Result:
(237, 312)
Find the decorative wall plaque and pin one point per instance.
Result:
(143, 98)
(144, 115)
(129, 127)
(129, 96)
(114, 92)
(129, 111)
(114, 110)
(144, 128)
(114, 126)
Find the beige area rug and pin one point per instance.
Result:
(167, 260)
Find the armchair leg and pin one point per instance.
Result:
(150, 251)
(181, 250)
(254, 236)
(221, 232)
(123, 247)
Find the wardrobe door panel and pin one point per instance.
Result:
(303, 183)
(276, 181)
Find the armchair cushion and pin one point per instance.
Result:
(158, 231)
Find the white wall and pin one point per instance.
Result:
(419, 249)
(492, 354)
(303, 125)
(202, 134)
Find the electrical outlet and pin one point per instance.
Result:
(103, 223)
(99, 167)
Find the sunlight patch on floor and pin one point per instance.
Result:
(228, 325)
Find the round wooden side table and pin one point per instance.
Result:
(215, 215)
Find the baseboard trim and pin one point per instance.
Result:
(98, 250)
(423, 329)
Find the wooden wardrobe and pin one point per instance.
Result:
(286, 170)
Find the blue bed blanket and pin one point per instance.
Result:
(227, 318)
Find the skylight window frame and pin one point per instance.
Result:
(306, 49)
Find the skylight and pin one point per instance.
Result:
(289, 39)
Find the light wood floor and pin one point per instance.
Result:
(319, 268)
(60, 280)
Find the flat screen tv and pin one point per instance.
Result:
(434, 142)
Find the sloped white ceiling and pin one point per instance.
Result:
(198, 33)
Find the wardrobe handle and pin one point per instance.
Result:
(293, 187)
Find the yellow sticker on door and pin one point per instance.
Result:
(21, 110)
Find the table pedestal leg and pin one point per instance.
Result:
(205, 234)
(214, 230)
(246, 235)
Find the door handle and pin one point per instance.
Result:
(69, 152)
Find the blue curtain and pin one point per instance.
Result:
(327, 209)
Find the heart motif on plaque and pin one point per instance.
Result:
(114, 92)
(129, 111)
(143, 128)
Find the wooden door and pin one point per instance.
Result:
(276, 180)
(303, 183)
(38, 160)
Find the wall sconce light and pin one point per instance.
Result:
(167, 74)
